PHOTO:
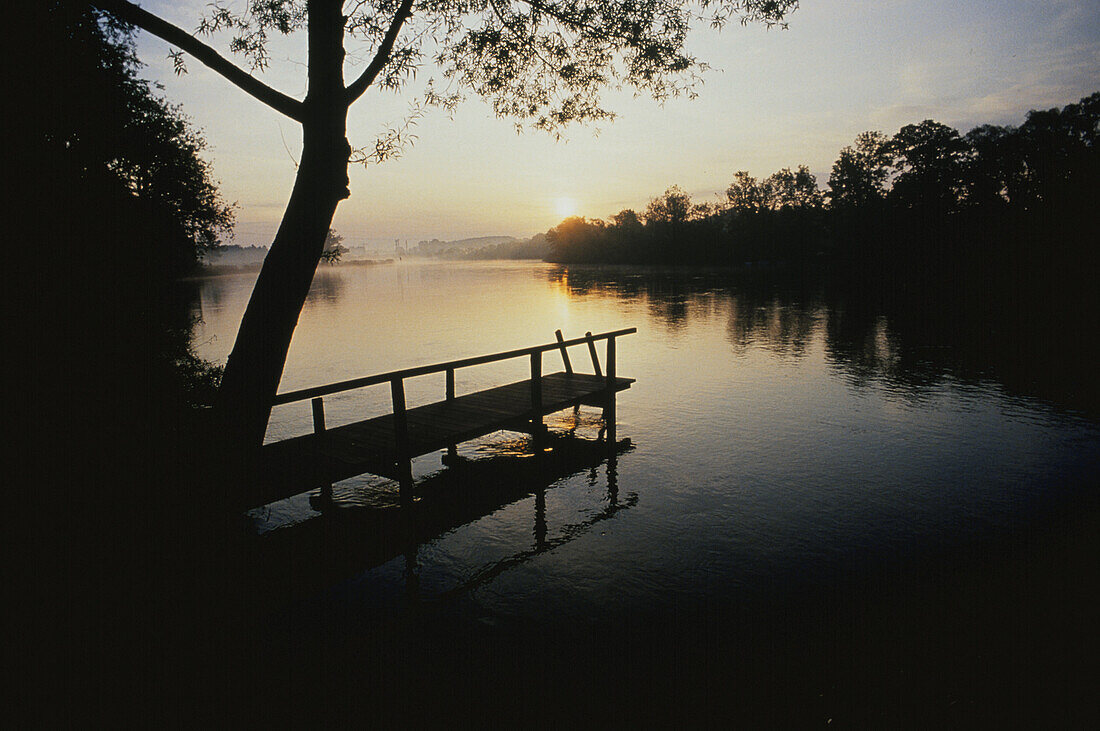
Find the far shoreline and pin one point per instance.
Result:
(216, 270)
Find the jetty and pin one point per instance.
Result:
(385, 445)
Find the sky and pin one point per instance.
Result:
(773, 99)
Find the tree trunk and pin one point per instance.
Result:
(255, 365)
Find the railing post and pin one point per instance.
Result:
(536, 393)
(611, 363)
(592, 352)
(403, 457)
(564, 352)
(318, 405)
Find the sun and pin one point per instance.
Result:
(565, 207)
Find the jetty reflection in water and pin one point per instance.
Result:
(304, 546)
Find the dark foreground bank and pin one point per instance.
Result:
(998, 631)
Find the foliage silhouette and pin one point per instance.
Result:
(930, 159)
(116, 186)
(334, 247)
(859, 175)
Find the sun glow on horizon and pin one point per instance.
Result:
(565, 207)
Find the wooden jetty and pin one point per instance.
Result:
(385, 445)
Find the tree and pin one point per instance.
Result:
(116, 130)
(1059, 153)
(860, 174)
(627, 220)
(577, 239)
(744, 194)
(785, 189)
(334, 247)
(542, 62)
(110, 177)
(115, 183)
(932, 159)
(672, 208)
(995, 171)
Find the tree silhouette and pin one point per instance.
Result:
(744, 193)
(860, 173)
(334, 247)
(577, 239)
(116, 132)
(785, 189)
(994, 175)
(1060, 155)
(113, 180)
(673, 208)
(932, 159)
(627, 220)
(542, 62)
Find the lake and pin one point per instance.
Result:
(783, 441)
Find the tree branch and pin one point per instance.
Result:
(382, 56)
(131, 13)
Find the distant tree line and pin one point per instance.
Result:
(917, 195)
(536, 247)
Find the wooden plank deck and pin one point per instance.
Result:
(310, 461)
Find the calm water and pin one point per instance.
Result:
(780, 438)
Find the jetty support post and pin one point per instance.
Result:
(538, 429)
(318, 405)
(451, 457)
(540, 517)
(402, 451)
(609, 415)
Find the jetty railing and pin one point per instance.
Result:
(397, 378)
(450, 367)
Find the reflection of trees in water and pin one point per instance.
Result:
(761, 310)
(1039, 340)
(776, 324)
(669, 296)
(185, 297)
(862, 342)
(327, 287)
(909, 336)
(214, 291)
(876, 344)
